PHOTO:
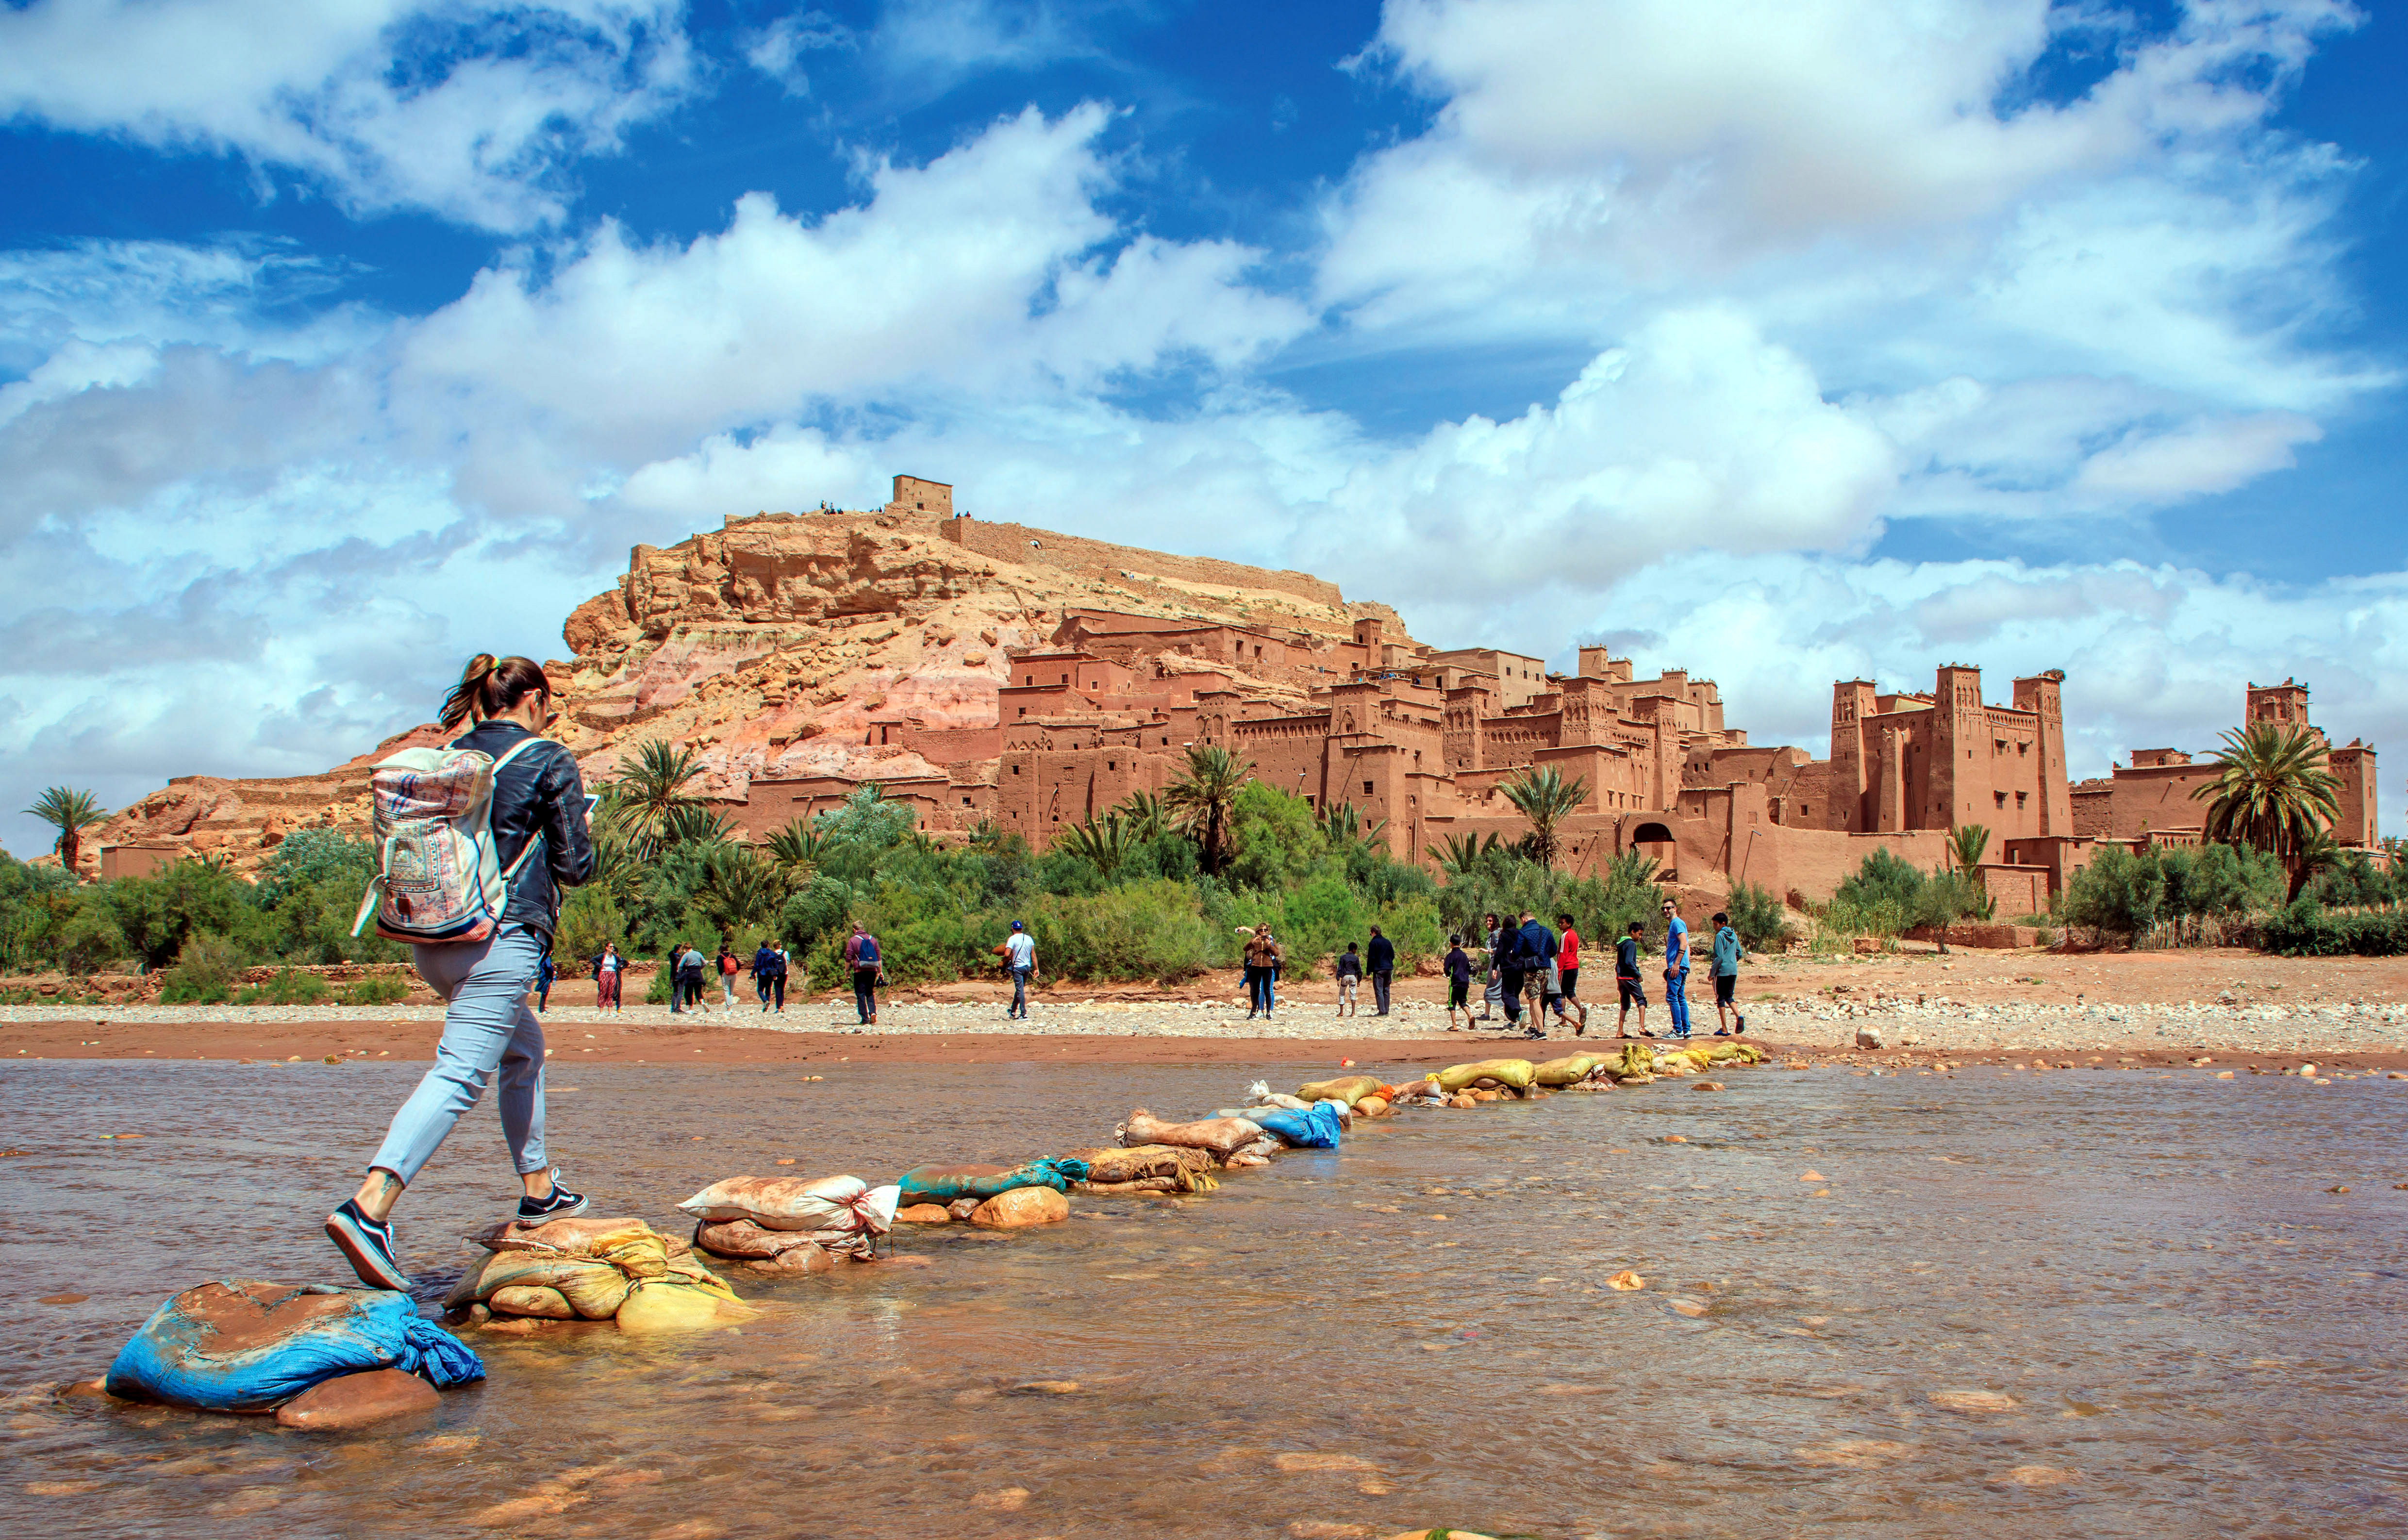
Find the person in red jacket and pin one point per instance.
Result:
(1568, 971)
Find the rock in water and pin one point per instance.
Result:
(923, 1213)
(356, 1401)
(1022, 1205)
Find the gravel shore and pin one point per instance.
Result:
(1931, 1023)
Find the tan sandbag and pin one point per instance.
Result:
(1109, 1165)
(1240, 1161)
(805, 1259)
(520, 1299)
(1372, 1107)
(1349, 1088)
(1508, 1072)
(742, 1238)
(796, 1202)
(595, 1289)
(1021, 1206)
(1221, 1135)
(1128, 1188)
(627, 1244)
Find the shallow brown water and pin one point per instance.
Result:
(2180, 1330)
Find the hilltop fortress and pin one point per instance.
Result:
(997, 674)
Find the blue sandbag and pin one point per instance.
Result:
(1316, 1128)
(943, 1184)
(249, 1347)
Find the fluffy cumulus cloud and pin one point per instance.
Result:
(1830, 271)
(470, 110)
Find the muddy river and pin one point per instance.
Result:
(1997, 1304)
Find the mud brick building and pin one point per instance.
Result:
(2151, 801)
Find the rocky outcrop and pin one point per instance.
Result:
(777, 646)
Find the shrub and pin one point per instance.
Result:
(376, 989)
(2130, 893)
(1149, 930)
(2306, 929)
(288, 988)
(1758, 917)
(202, 973)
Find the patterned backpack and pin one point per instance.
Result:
(441, 877)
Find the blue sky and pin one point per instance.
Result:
(1784, 342)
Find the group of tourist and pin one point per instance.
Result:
(1529, 960)
(688, 968)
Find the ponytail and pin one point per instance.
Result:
(490, 686)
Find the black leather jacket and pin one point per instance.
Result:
(537, 796)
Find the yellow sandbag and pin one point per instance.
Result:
(689, 1269)
(1349, 1088)
(628, 1244)
(1565, 1070)
(595, 1289)
(521, 1300)
(1511, 1072)
(667, 1304)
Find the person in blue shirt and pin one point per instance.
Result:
(1538, 952)
(545, 972)
(1676, 968)
(1727, 953)
(1380, 960)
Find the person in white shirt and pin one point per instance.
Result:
(1019, 957)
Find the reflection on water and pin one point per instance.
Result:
(2108, 1303)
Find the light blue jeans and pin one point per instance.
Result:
(487, 1025)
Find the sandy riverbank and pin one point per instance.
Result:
(2164, 1005)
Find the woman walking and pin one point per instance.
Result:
(537, 796)
(769, 976)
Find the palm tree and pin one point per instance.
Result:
(70, 812)
(738, 890)
(1460, 854)
(648, 792)
(2272, 793)
(1341, 824)
(1106, 845)
(798, 849)
(1967, 844)
(693, 823)
(1205, 799)
(1546, 799)
(1145, 815)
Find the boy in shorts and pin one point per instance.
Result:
(1349, 978)
(1627, 980)
(1458, 984)
(1727, 953)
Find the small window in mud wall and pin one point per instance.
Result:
(1029, 679)
(1066, 678)
(1999, 798)
(2019, 799)
(966, 802)
(1367, 788)
(1024, 711)
(1111, 765)
(1016, 769)
(881, 733)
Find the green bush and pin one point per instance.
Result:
(376, 989)
(203, 973)
(2306, 929)
(288, 988)
(2128, 892)
(1149, 930)
(1760, 919)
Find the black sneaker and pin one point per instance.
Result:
(368, 1245)
(559, 1205)
(1742, 1024)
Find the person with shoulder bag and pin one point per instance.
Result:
(478, 840)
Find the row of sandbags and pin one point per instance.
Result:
(811, 1224)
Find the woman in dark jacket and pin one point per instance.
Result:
(487, 1025)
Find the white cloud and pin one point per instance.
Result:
(778, 50)
(468, 109)
(988, 273)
